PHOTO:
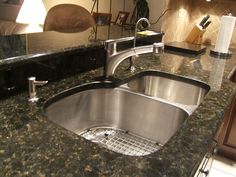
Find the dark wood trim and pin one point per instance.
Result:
(226, 136)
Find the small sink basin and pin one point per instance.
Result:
(119, 119)
(169, 87)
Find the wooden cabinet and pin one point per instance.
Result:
(226, 137)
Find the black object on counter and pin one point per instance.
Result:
(206, 24)
(221, 55)
(185, 47)
(204, 20)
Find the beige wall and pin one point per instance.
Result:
(104, 5)
(122, 5)
(9, 12)
(85, 3)
(156, 7)
(177, 28)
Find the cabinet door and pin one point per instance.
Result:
(227, 134)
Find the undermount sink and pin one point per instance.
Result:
(136, 118)
(116, 118)
(169, 87)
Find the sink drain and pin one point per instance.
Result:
(121, 141)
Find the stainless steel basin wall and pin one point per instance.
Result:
(117, 108)
(177, 91)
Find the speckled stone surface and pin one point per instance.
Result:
(25, 48)
(30, 145)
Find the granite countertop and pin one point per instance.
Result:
(25, 48)
(20, 49)
(31, 145)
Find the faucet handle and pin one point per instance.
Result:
(32, 88)
(158, 48)
(111, 44)
(124, 39)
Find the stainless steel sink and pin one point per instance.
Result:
(169, 87)
(119, 119)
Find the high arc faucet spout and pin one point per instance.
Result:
(136, 28)
(132, 59)
(114, 58)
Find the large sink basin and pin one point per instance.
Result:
(138, 124)
(169, 87)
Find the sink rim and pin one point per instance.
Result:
(119, 83)
(188, 108)
(190, 80)
(76, 89)
(106, 85)
(102, 85)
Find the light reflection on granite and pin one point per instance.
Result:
(216, 74)
(30, 145)
(11, 46)
(40, 43)
(20, 49)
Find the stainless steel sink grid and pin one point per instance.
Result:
(121, 141)
(145, 118)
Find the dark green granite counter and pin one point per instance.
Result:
(30, 145)
(25, 48)
(52, 55)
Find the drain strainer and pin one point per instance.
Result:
(120, 141)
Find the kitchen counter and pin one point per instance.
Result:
(31, 145)
(20, 49)
(25, 48)
(48, 55)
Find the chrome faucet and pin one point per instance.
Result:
(114, 58)
(32, 88)
(132, 59)
(136, 28)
